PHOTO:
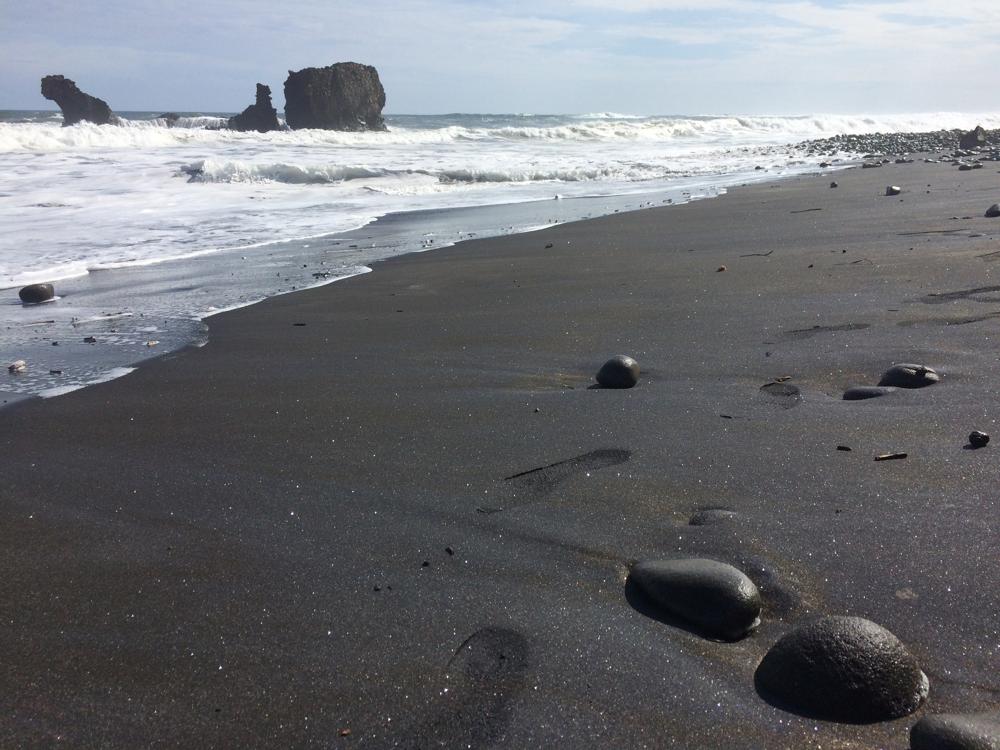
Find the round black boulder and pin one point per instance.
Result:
(35, 293)
(713, 598)
(862, 392)
(618, 372)
(956, 732)
(993, 211)
(845, 669)
(909, 376)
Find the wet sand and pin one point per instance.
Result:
(304, 535)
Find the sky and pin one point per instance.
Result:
(539, 56)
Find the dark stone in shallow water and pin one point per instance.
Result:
(845, 669)
(620, 371)
(909, 376)
(35, 293)
(714, 598)
(956, 732)
(861, 392)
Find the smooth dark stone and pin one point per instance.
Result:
(909, 376)
(893, 190)
(978, 439)
(862, 392)
(35, 293)
(834, 184)
(711, 516)
(714, 598)
(845, 669)
(956, 732)
(993, 211)
(620, 371)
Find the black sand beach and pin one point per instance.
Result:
(303, 534)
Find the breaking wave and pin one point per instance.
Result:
(206, 130)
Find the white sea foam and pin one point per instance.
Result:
(92, 197)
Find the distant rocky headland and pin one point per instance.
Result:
(342, 96)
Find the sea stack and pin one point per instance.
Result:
(76, 106)
(260, 116)
(343, 96)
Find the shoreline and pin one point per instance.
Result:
(248, 543)
(398, 233)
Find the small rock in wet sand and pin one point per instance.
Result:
(978, 439)
(862, 392)
(716, 599)
(956, 732)
(834, 185)
(893, 190)
(620, 371)
(33, 294)
(844, 669)
(720, 269)
(711, 516)
(993, 211)
(89, 340)
(909, 376)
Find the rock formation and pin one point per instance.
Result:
(343, 96)
(973, 139)
(260, 116)
(76, 106)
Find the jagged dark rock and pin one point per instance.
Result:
(76, 106)
(260, 116)
(170, 117)
(973, 139)
(343, 96)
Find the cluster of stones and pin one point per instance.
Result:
(902, 143)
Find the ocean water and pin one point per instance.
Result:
(147, 229)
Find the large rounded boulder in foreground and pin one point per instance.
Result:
(713, 598)
(956, 732)
(36, 293)
(618, 372)
(909, 376)
(845, 669)
(993, 211)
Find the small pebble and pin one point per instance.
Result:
(893, 190)
(620, 371)
(720, 269)
(978, 439)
